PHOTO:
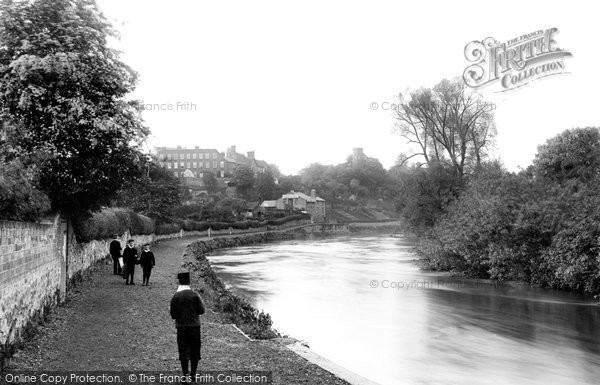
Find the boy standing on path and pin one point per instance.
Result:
(115, 252)
(186, 308)
(147, 262)
(130, 258)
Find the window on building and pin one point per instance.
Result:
(199, 164)
(214, 155)
(189, 165)
(182, 165)
(201, 156)
(194, 155)
(207, 156)
(195, 165)
(169, 156)
(169, 165)
(215, 164)
(200, 175)
(175, 173)
(189, 156)
(222, 164)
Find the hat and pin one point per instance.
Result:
(184, 278)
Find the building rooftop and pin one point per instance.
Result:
(308, 198)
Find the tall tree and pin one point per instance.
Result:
(573, 154)
(265, 186)
(63, 97)
(447, 124)
(210, 182)
(155, 193)
(243, 177)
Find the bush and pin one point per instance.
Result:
(140, 224)
(167, 228)
(201, 226)
(19, 198)
(105, 223)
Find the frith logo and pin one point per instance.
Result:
(515, 63)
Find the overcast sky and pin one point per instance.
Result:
(294, 81)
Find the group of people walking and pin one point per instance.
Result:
(125, 264)
(185, 308)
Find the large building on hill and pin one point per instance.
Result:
(196, 161)
(233, 158)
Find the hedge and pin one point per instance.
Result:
(191, 225)
(105, 223)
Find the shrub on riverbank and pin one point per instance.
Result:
(541, 226)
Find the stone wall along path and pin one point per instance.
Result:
(106, 325)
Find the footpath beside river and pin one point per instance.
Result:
(108, 326)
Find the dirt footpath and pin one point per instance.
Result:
(106, 325)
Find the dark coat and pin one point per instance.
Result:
(115, 248)
(130, 256)
(147, 259)
(186, 306)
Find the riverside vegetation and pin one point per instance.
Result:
(540, 225)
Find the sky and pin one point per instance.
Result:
(296, 82)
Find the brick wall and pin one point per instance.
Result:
(31, 274)
(36, 269)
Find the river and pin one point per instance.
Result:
(363, 303)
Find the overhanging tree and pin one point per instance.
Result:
(63, 98)
(447, 124)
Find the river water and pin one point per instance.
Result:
(363, 303)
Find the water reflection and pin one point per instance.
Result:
(363, 303)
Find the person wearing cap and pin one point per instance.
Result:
(130, 258)
(147, 262)
(115, 252)
(186, 308)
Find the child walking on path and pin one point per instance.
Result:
(147, 262)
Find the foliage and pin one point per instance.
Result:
(228, 209)
(448, 124)
(265, 186)
(103, 224)
(424, 193)
(243, 179)
(540, 226)
(572, 154)
(62, 97)
(210, 182)
(154, 192)
(19, 198)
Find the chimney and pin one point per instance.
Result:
(231, 152)
(313, 193)
(250, 154)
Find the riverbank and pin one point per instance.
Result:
(251, 321)
(255, 325)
